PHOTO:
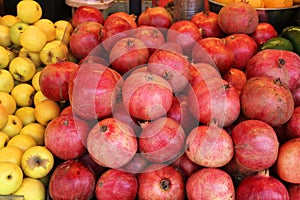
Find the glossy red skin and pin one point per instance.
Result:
(238, 17)
(94, 59)
(261, 91)
(293, 125)
(150, 183)
(256, 144)
(294, 191)
(128, 53)
(209, 146)
(275, 63)
(155, 16)
(146, 96)
(287, 166)
(185, 33)
(86, 13)
(67, 111)
(136, 165)
(172, 46)
(210, 181)
(216, 50)
(116, 184)
(65, 137)
(72, 180)
(296, 96)
(263, 32)
(85, 35)
(84, 83)
(151, 36)
(130, 18)
(161, 140)
(261, 187)
(54, 80)
(236, 77)
(214, 99)
(207, 21)
(111, 143)
(243, 47)
(171, 66)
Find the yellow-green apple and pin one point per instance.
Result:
(16, 30)
(35, 81)
(4, 36)
(22, 69)
(37, 162)
(3, 139)
(53, 52)
(26, 114)
(32, 189)
(4, 57)
(11, 154)
(22, 142)
(33, 38)
(54, 80)
(47, 26)
(29, 11)
(11, 177)
(8, 102)
(33, 56)
(23, 94)
(6, 81)
(64, 25)
(3, 116)
(62, 35)
(38, 97)
(13, 126)
(9, 20)
(36, 131)
(45, 111)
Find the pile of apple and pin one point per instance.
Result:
(145, 107)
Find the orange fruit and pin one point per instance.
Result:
(278, 3)
(254, 3)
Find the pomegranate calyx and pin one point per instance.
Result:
(165, 184)
(281, 62)
(103, 128)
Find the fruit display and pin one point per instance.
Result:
(145, 107)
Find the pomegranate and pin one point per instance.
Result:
(210, 181)
(155, 16)
(293, 125)
(89, 162)
(287, 165)
(263, 32)
(161, 140)
(172, 46)
(294, 191)
(256, 144)
(261, 91)
(236, 77)
(238, 17)
(86, 13)
(296, 96)
(130, 18)
(116, 184)
(118, 143)
(209, 146)
(171, 66)
(136, 165)
(146, 96)
(161, 182)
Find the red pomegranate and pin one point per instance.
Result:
(293, 125)
(155, 16)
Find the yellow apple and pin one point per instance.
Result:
(11, 154)
(23, 93)
(32, 189)
(37, 162)
(22, 142)
(35, 82)
(13, 126)
(9, 20)
(4, 36)
(6, 81)
(22, 69)
(39, 97)
(33, 38)
(45, 111)
(62, 35)
(33, 56)
(3, 139)
(3, 116)
(53, 52)
(26, 114)
(29, 11)
(47, 26)
(8, 102)
(36, 131)
(16, 30)
(64, 25)
(4, 57)
(11, 177)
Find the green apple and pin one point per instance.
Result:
(47, 26)
(22, 69)
(6, 81)
(33, 38)
(4, 36)
(33, 56)
(37, 162)
(11, 177)
(29, 11)
(32, 189)
(13, 126)
(53, 52)
(16, 30)
(23, 93)
(4, 57)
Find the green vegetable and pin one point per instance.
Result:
(277, 43)
(292, 33)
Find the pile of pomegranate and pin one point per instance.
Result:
(160, 109)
